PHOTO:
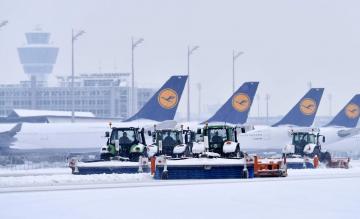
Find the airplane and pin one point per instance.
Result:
(341, 127)
(160, 110)
(341, 132)
(265, 138)
(349, 145)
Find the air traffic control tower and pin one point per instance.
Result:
(38, 57)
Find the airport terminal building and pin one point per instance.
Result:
(106, 95)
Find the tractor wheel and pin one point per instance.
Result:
(134, 157)
(238, 153)
(325, 157)
(145, 152)
(105, 156)
(186, 152)
(316, 152)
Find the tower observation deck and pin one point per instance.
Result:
(38, 56)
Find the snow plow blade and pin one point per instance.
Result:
(339, 163)
(109, 167)
(201, 168)
(270, 167)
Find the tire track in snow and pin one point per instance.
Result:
(169, 183)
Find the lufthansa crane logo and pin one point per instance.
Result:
(241, 102)
(168, 98)
(352, 111)
(308, 106)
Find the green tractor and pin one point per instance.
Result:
(176, 143)
(219, 140)
(124, 144)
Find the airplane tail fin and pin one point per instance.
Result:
(349, 115)
(303, 113)
(163, 104)
(237, 107)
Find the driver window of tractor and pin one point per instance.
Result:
(125, 136)
(179, 138)
(312, 139)
(296, 139)
(169, 138)
(231, 135)
(217, 135)
(303, 138)
(299, 139)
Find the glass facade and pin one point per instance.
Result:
(111, 100)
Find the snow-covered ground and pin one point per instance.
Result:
(55, 193)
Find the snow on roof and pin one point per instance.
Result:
(29, 113)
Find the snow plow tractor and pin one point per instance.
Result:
(171, 142)
(307, 144)
(124, 144)
(217, 141)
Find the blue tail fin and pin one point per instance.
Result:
(349, 115)
(163, 105)
(237, 108)
(303, 113)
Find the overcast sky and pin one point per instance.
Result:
(286, 44)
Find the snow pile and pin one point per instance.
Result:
(312, 198)
(47, 179)
(33, 172)
(63, 176)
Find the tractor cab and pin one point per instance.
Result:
(171, 142)
(124, 143)
(301, 139)
(219, 139)
(307, 144)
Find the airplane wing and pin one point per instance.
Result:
(7, 133)
(5, 130)
(345, 133)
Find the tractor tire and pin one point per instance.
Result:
(325, 158)
(238, 153)
(316, 152)
(134, 157)
(187, 152)
(105, 156)
(145, 153)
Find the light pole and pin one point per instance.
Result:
(258, 103)
(74, 37)
(235, 56)
(199, 90)
(3, 23)
(190, 52)
(310, 85)
(267, 97)
(134, 44)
